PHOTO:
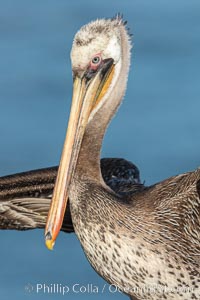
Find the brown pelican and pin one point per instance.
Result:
(25, 197)
(148, 243)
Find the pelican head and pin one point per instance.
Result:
(100, 59)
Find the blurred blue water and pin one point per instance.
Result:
(157, 126)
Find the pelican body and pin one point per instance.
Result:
(146, 243)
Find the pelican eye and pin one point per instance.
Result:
(93, 67)
(96, 60)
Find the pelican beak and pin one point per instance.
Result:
(86, 95)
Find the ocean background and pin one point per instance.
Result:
(157, 127)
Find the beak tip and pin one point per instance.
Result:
(50, 244)
(49, 241)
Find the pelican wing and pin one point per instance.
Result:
(25, 197)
